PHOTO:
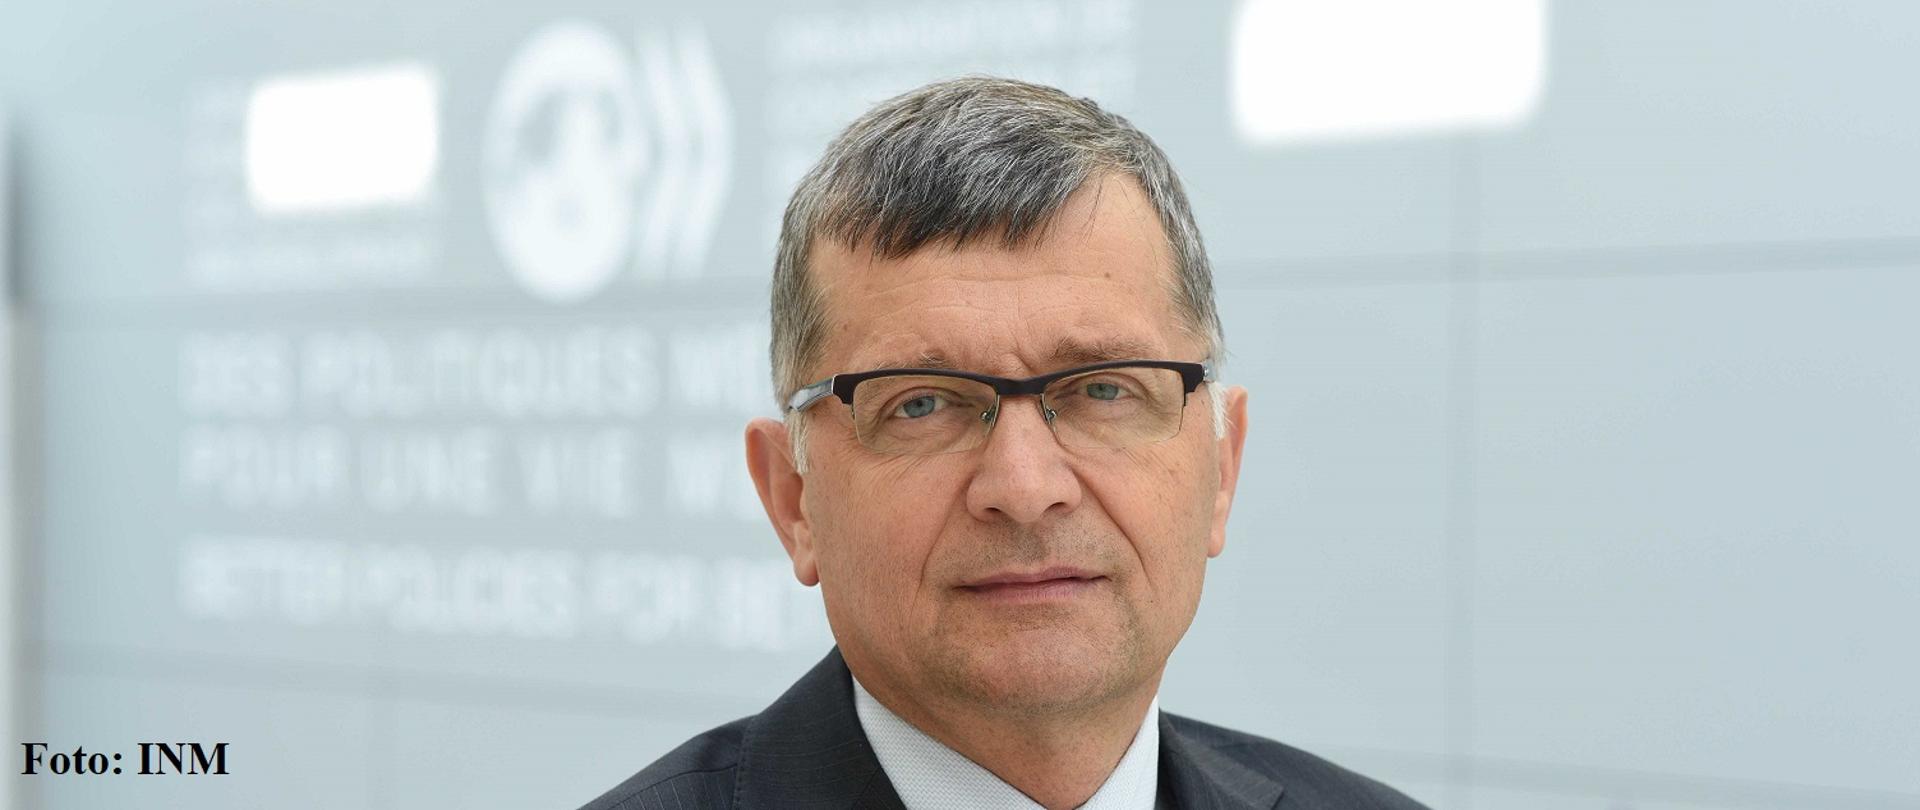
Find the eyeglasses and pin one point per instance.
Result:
(923, 411)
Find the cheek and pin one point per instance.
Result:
(876, 527)
(1163, 503)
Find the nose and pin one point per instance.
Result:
(1023, 473)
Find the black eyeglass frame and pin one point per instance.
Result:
(841, 385)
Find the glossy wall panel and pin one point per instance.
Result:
(1687, 527)
(1582, 435)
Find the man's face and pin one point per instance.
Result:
(894, 541)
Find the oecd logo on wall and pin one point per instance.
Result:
(594, 161)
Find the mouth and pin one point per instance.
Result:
(1053, 583)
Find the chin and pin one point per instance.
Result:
(1043, 669)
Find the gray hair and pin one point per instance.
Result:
(962, 160)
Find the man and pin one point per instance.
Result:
(1005, 462)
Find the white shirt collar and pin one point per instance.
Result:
(930, 776)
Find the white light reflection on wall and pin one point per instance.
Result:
(327, 142)
(1315, 70)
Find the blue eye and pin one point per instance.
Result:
(1103, 391)
(919, 406)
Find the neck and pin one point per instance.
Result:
(1058, 759)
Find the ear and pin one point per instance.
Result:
(770, 461)
(1229, 447)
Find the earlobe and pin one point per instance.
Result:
(1229, 447)
(770, 462)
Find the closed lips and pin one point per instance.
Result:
(1030, 577)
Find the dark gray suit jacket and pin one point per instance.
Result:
(807, 750)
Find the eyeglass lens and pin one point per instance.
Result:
(913, 414)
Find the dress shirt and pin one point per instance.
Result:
(930, 776)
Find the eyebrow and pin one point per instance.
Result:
(1070, 352)
(926, 359)
(1067, 352)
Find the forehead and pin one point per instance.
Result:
(1095, 284)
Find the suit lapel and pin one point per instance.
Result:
(1200, 777)
(807, 750)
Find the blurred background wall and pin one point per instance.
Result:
(379, 373)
